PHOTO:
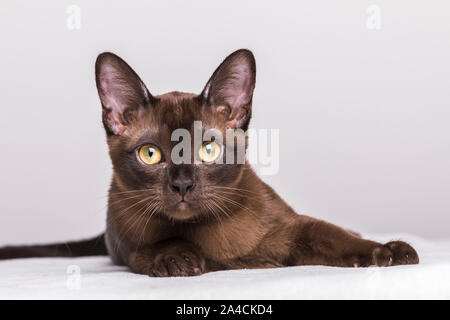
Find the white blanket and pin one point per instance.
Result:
(98, 278)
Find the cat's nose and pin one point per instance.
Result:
(181, 178)
(182, 186)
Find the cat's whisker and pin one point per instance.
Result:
(125, 192)
(212, 210)
(231, 201)
(125, 211)
(219, 219)
(249, 197)
(137, 220)
(121, 233)
(123, 199)
(235, 189)
(113, 203)
(219, 205)
(131, 217)
(132, 191)
(151, 209)
(223, 208)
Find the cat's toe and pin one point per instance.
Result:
(183, 265)
(158, 269)
(382, 257)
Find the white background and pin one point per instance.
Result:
(364, 115)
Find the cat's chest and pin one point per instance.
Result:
(227, 239)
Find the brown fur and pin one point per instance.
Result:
(252, 227)
(228, 218)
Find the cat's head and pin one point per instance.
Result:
(139, 128)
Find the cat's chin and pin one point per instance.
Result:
(182, 211)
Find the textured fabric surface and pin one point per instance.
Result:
(97, 277)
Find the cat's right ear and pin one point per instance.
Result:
(122, 92)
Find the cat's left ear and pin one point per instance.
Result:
(230, 88)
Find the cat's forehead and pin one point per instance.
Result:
(175, 110)
(169, 112)
(176, 98)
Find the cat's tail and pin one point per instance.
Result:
(89, 247)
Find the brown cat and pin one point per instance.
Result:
(167, 219)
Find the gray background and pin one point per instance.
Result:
(363, 114)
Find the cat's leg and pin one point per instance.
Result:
(169, 258)
(319, 242)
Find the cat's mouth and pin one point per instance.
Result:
(182, 210)
(182, 205)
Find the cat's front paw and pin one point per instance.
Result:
(181, 260)
(390, 254)
(402, 253)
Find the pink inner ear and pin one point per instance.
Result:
(113, 107)
(114, 89)
(113, 122)
(232, 85)
(237, 117)
(240, 99)
(121, 91)
(109, 101)
(222, 109)
(237, 92)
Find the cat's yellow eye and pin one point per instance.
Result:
(149, 154)
(209, 151)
